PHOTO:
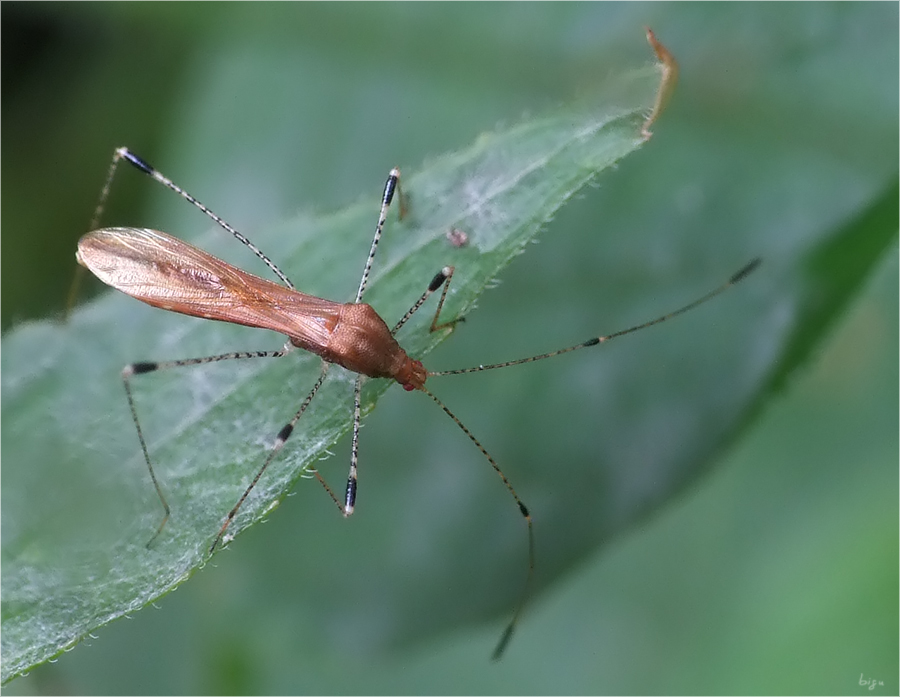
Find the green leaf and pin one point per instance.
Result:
(76, 558)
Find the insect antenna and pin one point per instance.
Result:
(735, 278)
(444, 275)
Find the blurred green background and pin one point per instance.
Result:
(775, 573)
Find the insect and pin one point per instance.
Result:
(164, 272)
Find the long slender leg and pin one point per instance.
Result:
(75, 286)
(510, 628)
(329, 490)
(149, 170)
(390, 186)
(148, 367)
(523, 509)
(448, 271)
(280, 440)
(350, 492)
(346, 508)
(107, 185)
(442, 277)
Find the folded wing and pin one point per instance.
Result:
(165, 272)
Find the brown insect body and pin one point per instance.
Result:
(165, 272)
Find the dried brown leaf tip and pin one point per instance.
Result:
(669, 69)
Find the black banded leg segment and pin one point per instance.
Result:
(350, 492)
(447, 272)
(391, 186)
(441, 278)
(143, 367)
(145, 167)
(347, 505)
(510, 628)
(594, 341)
(280, 440)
